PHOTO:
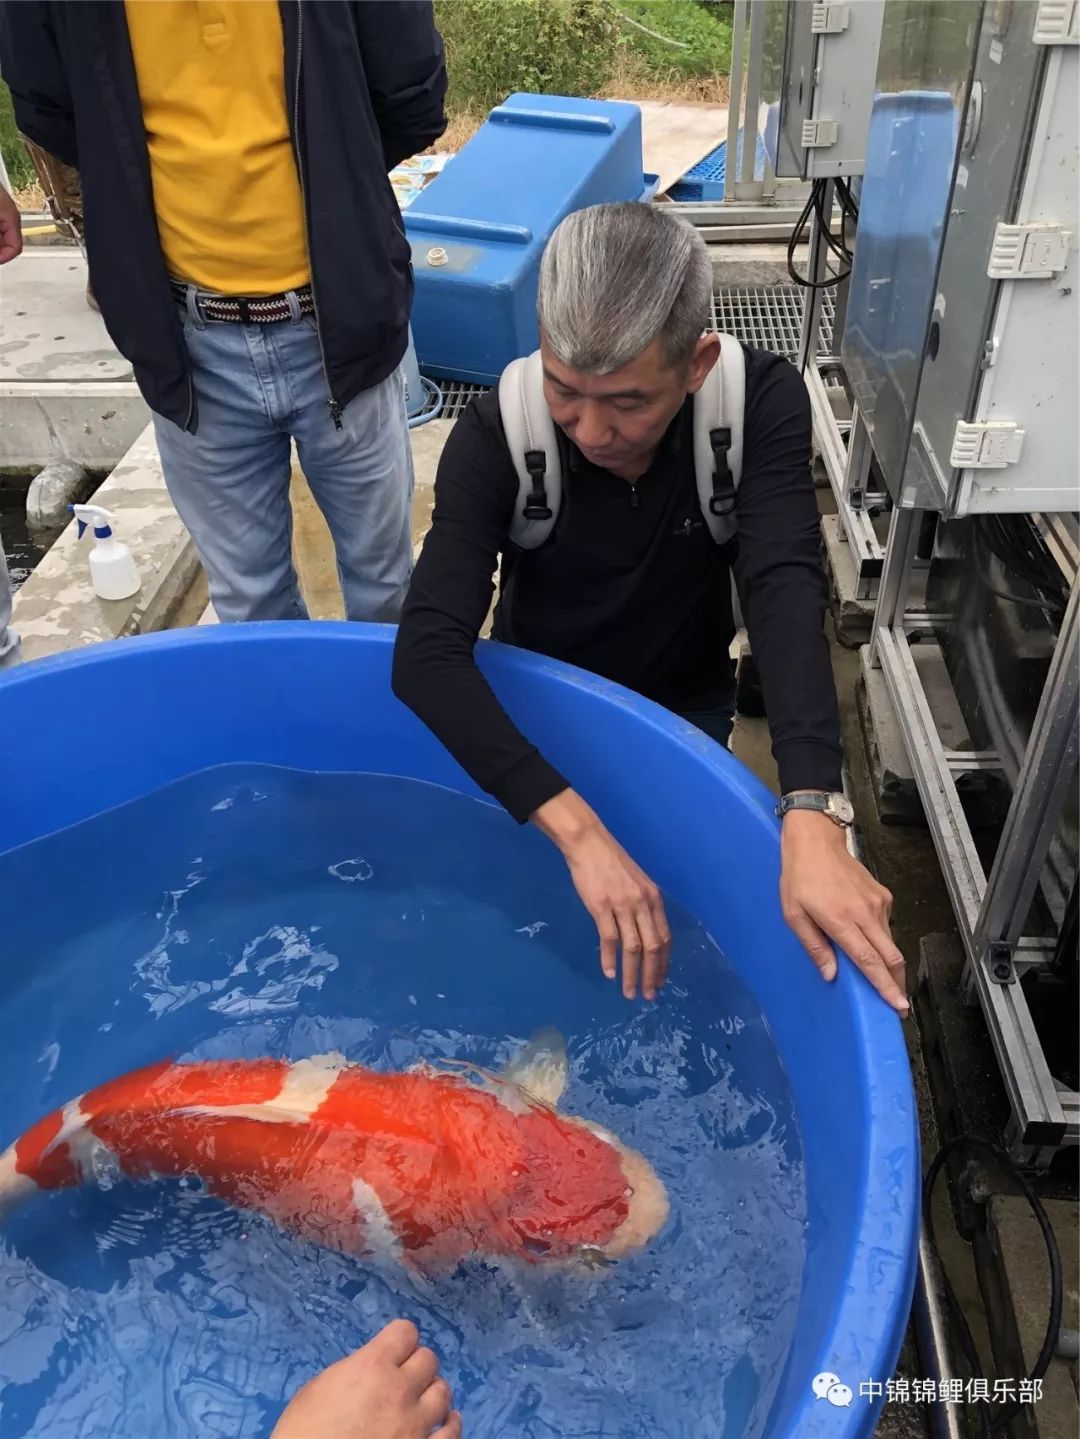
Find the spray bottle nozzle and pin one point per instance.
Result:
(94, 515)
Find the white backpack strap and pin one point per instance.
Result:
(718, 438)
(534, 449)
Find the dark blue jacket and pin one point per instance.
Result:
(366, 84)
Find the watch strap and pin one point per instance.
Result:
(836, 806)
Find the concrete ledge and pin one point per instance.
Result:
(853, 617)
(65, 390)
(56, 609)
(740, 264)
(92, 423)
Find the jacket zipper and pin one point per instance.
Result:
(633, 494)
(334, 407)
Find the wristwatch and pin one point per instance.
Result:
(836, 806)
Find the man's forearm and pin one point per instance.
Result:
(786, 626)
(566, 820)
(438, 679)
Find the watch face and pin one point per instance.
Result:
(840, 807)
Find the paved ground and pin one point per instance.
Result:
(50, 333)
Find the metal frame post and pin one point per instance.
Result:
(1044, 1117)
(746, 187)
(735, 86)
(895, 584)
(855, 524)
(1045, 778)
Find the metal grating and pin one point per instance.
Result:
(769, 318)
(456, 396)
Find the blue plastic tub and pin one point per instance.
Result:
(317, 696)
(902, 202)
(478, 230)
(910, 156)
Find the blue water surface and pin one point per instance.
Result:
(251, 911)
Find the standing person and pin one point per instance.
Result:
(10, 643)
(630, 584)
(248, 257)
(10, 247)
(62, 188)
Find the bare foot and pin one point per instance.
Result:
(389, 1389)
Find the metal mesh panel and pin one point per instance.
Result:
(768, 318)
(456, 396)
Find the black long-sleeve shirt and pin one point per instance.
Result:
(630, 586)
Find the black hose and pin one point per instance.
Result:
(989, 1427)
(816, 205)
(1013, 541)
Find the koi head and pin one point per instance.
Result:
(611, 1200)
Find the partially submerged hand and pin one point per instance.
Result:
(389, 1389)
(621, 898)
(826, 894)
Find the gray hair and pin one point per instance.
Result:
(615, 277)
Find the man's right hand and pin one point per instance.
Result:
(621, 898)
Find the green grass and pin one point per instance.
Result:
(19, 165)
(577, 47)
(705, 30)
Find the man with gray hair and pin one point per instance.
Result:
(630, 583)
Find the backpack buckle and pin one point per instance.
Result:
(536, 505)
(722, 500)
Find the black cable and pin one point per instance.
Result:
(814, 205)
(990, 1427)
(1013, 541)
(848, 203)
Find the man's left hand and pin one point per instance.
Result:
(827, 895)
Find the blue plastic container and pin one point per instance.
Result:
(903, 197)
(910, 157)
(479, 228)
(317, 696)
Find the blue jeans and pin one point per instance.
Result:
(257, 387)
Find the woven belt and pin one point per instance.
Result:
(265, 310)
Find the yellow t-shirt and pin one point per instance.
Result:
(227, 194)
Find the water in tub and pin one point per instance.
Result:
(247, 913)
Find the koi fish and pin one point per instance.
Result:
(430, 1165)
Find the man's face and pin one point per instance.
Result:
(618, 420)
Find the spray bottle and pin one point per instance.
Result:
(112, 570)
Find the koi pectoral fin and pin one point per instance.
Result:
(542, 1067)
